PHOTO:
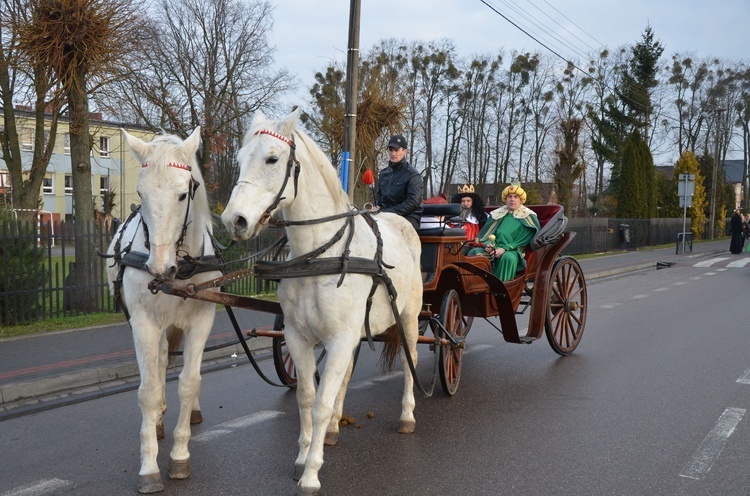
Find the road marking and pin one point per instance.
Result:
(679, 283)
(38, 488)
(710, 274)
(660, 289)
(610, 305)
(697, 278)
(710, 262)
(713, 444)
(238, 423)
(640, 296)
(744, 378)
(722, 270)
(739, 263)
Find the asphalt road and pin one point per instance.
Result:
(653, 401)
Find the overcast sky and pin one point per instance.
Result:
(308, 34)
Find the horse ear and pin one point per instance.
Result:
(258, 117)
(193, 142)
(137, 146)
(286, 126)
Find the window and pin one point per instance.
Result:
(5, 185)
(68, 184)
(27, 140)
(48, 185)
(103, 185)
(66, 143)
(104, 146)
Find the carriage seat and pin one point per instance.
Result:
(441, 212)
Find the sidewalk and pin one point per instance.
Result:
(43, 371)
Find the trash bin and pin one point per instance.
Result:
(624, 236)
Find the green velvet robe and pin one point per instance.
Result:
(513, 233)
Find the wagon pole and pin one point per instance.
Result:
(348, 157)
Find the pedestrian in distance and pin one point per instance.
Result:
(400, 186)
(735, 229)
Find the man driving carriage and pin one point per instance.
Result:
(507, 232)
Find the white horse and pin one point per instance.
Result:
(315, 307)
(173, 221)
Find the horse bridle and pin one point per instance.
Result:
(191, 195)
(292, 162)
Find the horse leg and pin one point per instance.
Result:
(174, 338)
(338, 361)
(165, 361)
(407, 423)
(303, 354)
(147, 340)
(332, 433)
(189, 389)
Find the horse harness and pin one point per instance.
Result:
(187, 266)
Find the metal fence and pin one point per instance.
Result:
(38, 278)
(38, 263)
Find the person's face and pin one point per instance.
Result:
(396, 154)
(512, 201)
(466, 202)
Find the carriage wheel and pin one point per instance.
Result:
(450, 354)
(283, 362)
(566, 306)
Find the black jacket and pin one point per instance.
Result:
(400, 190)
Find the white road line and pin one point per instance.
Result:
(696, 278)
(721, 270)
(710, 262)
(660, 289)
(610, 305)
(640, 296)
(679, 283)
(744, 378)
(38, 488)
(739, 263)
(238, 423)
(710, 274)
(714, 442)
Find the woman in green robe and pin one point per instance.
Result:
(509, 229)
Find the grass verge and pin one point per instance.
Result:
(62, 324)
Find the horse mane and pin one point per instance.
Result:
(327, 170)
(166, 143)
(316, 155)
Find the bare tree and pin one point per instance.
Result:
(208, 63)
(23, 82)
(79, 40)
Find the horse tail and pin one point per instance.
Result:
(174, 338)
(391, 346)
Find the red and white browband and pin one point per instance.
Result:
(176, 165)
(277, 136)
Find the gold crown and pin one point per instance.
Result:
(466, 189)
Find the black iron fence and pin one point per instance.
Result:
(40, 279)
(41, 274)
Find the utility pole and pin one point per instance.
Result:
(348, 156)
(714, 174)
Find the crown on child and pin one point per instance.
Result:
(466, 189)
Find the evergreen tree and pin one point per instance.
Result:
(688, 164)
(629, 197)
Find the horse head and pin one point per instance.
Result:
(166, 185)
(268, 176)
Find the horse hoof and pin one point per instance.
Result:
(150, 483)
(179, 469)
(407, 427)
(159, 431)
(299, 469)
(308, 490)
(195, 417)
(331, 439)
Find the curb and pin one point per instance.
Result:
(97, 380)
